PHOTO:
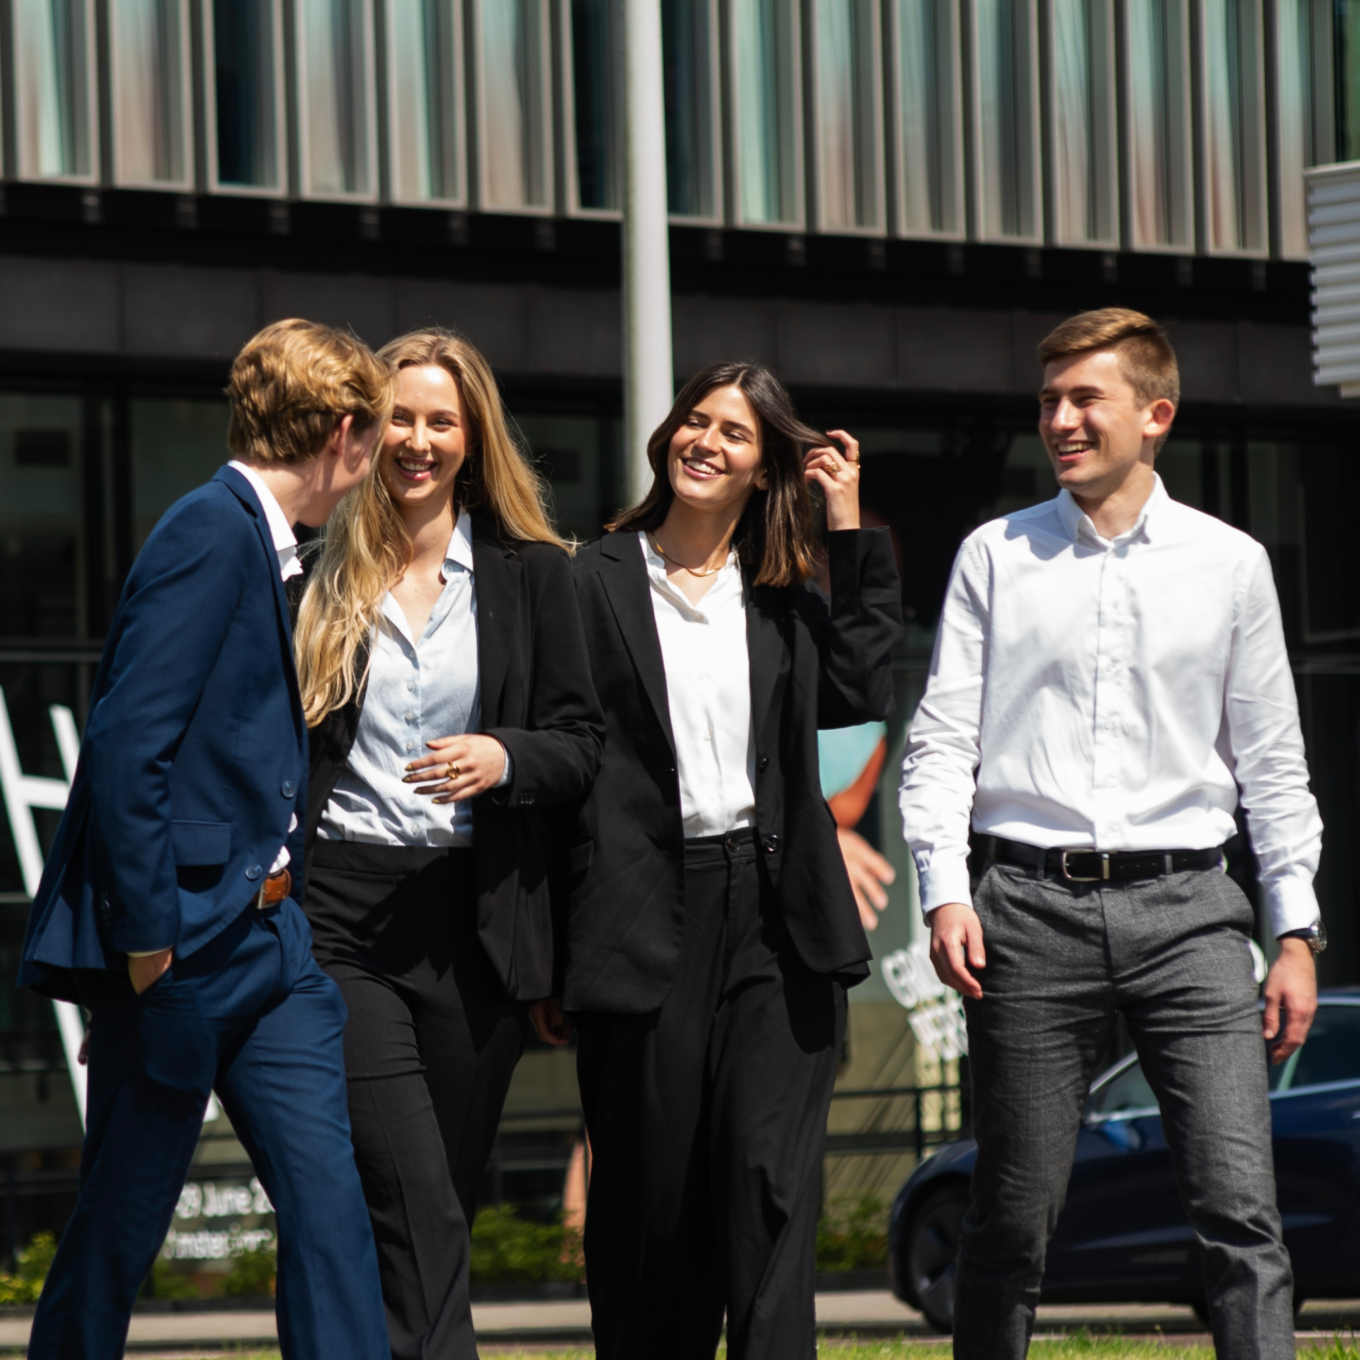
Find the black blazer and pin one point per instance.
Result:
(538, 700)
(814, 663)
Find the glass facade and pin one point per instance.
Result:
(689, 55)
(848, 114)
(54, 88)
(929, 114)
(1159, 189)
(514, 129)
(766, 112)
(1083, 144)
(1304, 132)
(1232, 93)
(597, 131)
(1006, 117)
(152, 137)
(425, 100)
(246, 83)
(42, 540)
(335, 97)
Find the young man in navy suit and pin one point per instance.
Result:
(168, 909)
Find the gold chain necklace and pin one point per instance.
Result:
(656, 543)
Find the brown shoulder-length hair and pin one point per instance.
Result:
(367, 546)
(776, 535)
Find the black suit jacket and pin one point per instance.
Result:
(538, 700)
(814, 663)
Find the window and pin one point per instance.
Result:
(54, 88)
(690, 56)
(929, 113)
(1158, 190)
(177, 445)
(1346, 87)
(513, 128)
(335, 98)
(1082, 147)
(1303, 124)
(42, 535)
(571, 452)
(1332, 1052)
(1126, 1093)
(595, 128)
(425, 100)
(767, 110)
(847, 114)
(1006, 120)
(149, 50)
(245, 78)
(1233, 181)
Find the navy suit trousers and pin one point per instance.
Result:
(252, 1015)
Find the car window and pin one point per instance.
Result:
(1126, 1090)
(1332, 1052)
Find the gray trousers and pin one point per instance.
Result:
(1063, 960)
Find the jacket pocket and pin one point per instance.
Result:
(197, 843)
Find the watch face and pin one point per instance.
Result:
(1319, 940)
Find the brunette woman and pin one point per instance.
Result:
(445, 678)
(713, 931)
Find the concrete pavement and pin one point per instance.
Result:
(871, 1313)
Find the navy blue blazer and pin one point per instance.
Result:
(195, 751)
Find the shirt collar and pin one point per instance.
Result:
(1078, 523)
(729, 576)
(285, 541)
(459, 553)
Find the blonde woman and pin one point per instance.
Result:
(445, 679)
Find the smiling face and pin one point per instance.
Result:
(426, 440)
(714, 461)
(1097, 431)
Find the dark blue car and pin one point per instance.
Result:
(1123, 1236)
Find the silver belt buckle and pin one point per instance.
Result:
(1099, 878)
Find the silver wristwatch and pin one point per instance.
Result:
(1316, 935)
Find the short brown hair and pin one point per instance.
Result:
(294, 382)
(1146, 358)
(776, 535)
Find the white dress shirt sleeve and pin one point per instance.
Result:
(942, 754)
(1266, 743)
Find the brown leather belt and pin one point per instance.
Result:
(274, 889)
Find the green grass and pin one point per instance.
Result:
(1076, 1347)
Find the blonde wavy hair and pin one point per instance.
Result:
(367, 546)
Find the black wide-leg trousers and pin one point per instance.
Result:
(707, 1119)
(430, 1047)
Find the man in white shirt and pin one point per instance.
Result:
(1109, 671)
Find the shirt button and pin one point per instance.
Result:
(410, 746)
(409, 715)
(254, 872)
(288, 788)
(411, 685)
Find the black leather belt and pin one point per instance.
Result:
(1094, 866)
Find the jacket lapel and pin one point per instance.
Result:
(496, 578)
(766, 651)
(630, 597)
(245, 493)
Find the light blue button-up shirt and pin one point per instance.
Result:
(419, 689)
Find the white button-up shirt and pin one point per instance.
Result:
(280, 531)
(418, 689)
(708, 691)
(1113, 694)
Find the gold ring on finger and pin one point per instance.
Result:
(452, 771)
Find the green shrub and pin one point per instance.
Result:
(165, 1282)
(852, 1234)
(33, 1263)
(509, 1249)
(252, 1273)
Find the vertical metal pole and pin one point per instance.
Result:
(649, 375)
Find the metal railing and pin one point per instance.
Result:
(929, 1127)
